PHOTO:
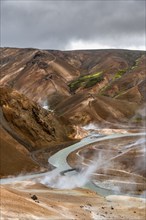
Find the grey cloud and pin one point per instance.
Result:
(54, 24)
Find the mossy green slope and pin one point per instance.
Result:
(86, 81)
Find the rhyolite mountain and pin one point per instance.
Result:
(46, 98)
(91, 85)
(106, 87)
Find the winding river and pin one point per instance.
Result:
(58, 160)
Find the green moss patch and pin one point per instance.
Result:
(119, 74)
(86, 81)
(136, 63)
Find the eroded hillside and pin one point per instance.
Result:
(25, 128)
(47, 98)
(59, 78)
(75, 88)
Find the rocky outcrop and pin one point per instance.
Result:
(30, 124)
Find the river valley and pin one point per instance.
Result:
(71, 182)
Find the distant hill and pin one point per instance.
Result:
(113, 78)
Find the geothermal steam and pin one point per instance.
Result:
(70, 180)
(56, 180)
(45, 105)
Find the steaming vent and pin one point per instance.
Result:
(109, 173)
(45, 105)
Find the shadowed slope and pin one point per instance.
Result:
(15, 158)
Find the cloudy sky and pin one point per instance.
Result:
(65, 24)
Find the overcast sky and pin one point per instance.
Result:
(65, 24)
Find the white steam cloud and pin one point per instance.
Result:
(91, 126)
(45, 104)
(56, 180)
